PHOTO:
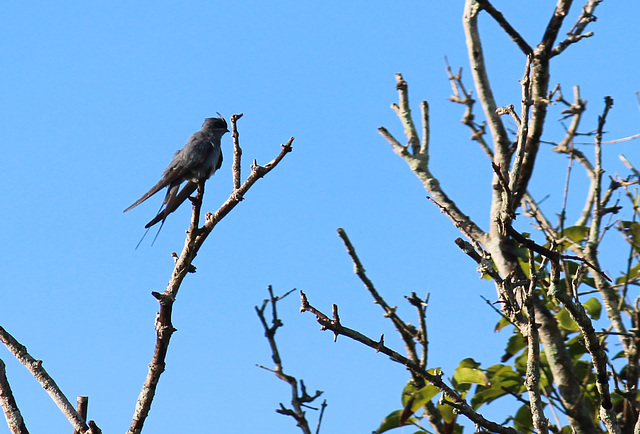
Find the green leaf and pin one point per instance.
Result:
(565, 321)
(422, 396)
(593, 308)
(590, 281)
(576, 233)
(468, 363)
(502, 379)
(502, 323)
(632, 230)
(514, 345)
(390, 422)
(486, 396)
(448, 413)
(619, 355)
(469, 372)
(522, 422)
(634, 272)
(470, 376)
(576, 347)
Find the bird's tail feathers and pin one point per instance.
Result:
(156, 188)
(176, 201)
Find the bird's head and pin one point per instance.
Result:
(215, 125)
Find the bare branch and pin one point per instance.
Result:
(539, 89)
(82, 407)
(48, 384)
(404, 114)
(9, 406)
(237, 152)
(419, 160)
(575, 34)
(609, 295)
(501, 140)
(598, 355)
(521, 137)
(462, 96)
(299, 399)
(501, 20)
(454, 399)
(407, 333)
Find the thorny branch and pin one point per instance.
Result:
(408, 332)
(299, 398)
(453, 398)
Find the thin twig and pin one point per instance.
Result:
(509, 30)
(575, 34)
(237, 152)
(82, 407)
(12, 414)
(299, 399)
(407, 333)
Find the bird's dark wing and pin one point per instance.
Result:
(190, 156)
(174, 199)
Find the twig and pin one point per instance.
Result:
(299, 399)
(8, 403)
(421, 336)
(504, 287)
(575, 34)
(323, 406)
(407, 333)
(404, 114)
(237, 152)
(579, 316)
(609, 296)
(257, 172)
(82, 407)
(462, 228)
(513, 34)
(458, 88)
(540, 63)
(501, 140)
(521, 138)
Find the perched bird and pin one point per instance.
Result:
(194, 163)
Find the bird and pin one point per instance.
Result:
(193, 164)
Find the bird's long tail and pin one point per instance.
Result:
(174, 203)
(156, 188)
(147, 231)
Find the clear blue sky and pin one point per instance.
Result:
(96, 97)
